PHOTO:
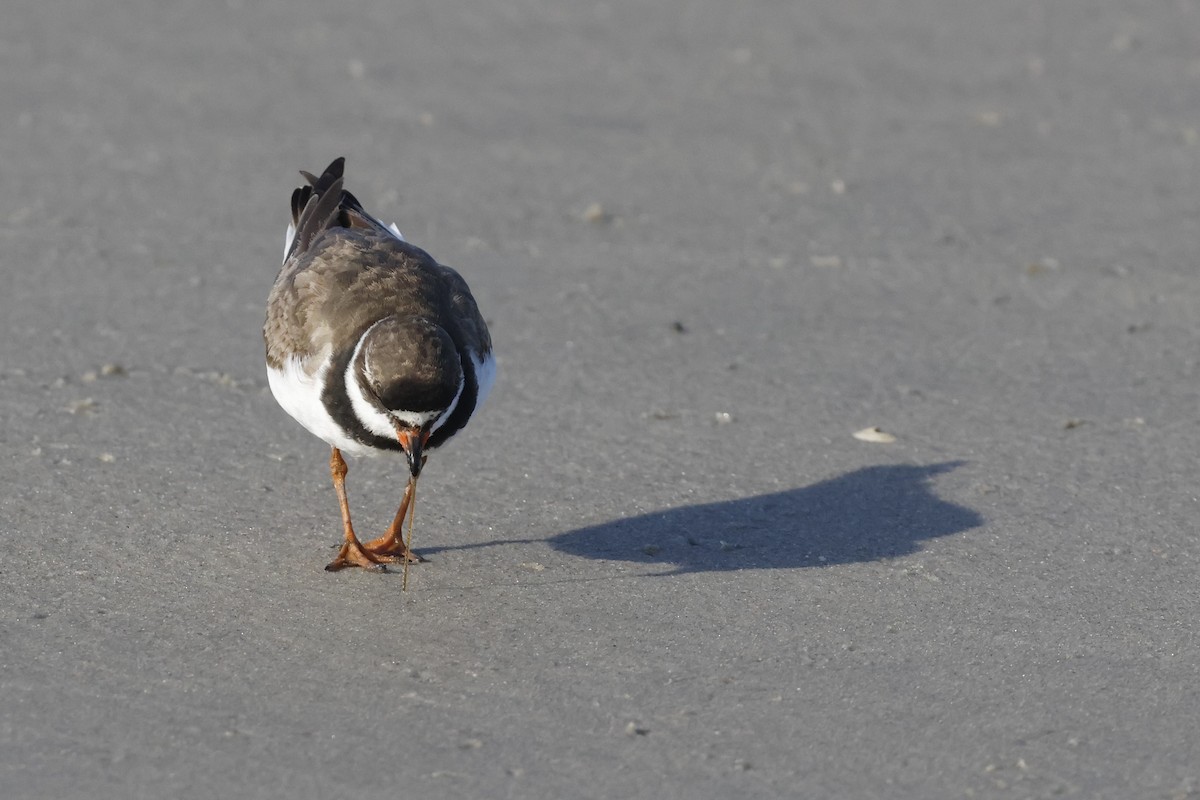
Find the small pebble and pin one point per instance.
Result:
(596, 213)
(84, 406)
(1044, 265)
(989, 119)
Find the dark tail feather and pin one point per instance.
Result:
(324, 204)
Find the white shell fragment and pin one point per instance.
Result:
(874, 434)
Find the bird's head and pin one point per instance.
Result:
(409, 373)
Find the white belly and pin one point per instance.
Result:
(300, 395)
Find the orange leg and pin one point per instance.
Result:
(352, 553)
(390, 547)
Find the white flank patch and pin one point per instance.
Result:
(485, 376)
(300, 395)
(290, 236)
(288, 239)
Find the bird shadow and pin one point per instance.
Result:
(866, 515)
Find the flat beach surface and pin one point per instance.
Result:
(712, 242)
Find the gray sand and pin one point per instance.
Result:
(712, 241)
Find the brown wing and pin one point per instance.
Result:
(345, 280)
(473, 329)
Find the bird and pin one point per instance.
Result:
(372, 346)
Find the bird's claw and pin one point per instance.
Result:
(354, 555)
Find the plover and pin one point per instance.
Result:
(372, 346)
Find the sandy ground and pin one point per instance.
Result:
(712, 241)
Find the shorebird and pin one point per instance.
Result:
(373, 346)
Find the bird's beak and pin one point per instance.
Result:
(413, 441)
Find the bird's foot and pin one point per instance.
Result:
(354, 554)
(391, 550)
